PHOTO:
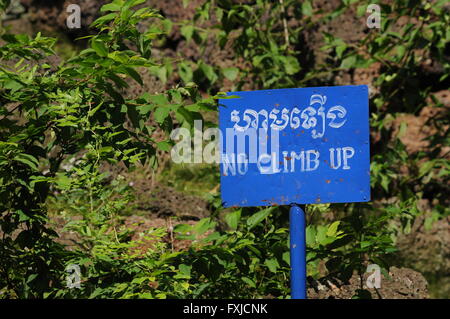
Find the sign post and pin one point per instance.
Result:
(298, 252)
(295, 146)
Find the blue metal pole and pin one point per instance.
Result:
(298, 252)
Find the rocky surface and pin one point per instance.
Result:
(428, 250)
(402, 283)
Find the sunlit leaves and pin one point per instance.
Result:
(258, 217)
(233, 219)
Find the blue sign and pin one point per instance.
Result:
(303, 146)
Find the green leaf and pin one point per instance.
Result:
(182, 228)
(425, 168)
(185, 72)
(12, 85)
(307, 9)
(385, 182)
(209, 72)
(118, 57)
(22, 216)
(211, 237)
(272, 264)
(203, 225)
(28, 160)
(332, 229)
(110, 7)
(32, 277)
(257, 218)
(102, 20)
(132, 72)
(63, 181)
(139, 280)
(164, 146)
(310, 236)
(99, 47)
(361, 10)
(232, 219)
(187, 31)
(340, 50)
(321, 234)
(348, 62)
(286, 257)
(401, 49)
(402, 130)
(230, 73)
(185, 269)
(118, 288)
(161, 72)
(364, 244)
(249, 282)
(133, 3)
(292, 66)
(160, 99)
(161, 113)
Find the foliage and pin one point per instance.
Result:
(403, 88)
(49, 112)
(265, 49)
(4, 4)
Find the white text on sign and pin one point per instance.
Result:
(303, 161)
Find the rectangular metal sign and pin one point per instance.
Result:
(304, 146)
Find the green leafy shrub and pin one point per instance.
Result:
(51, 113)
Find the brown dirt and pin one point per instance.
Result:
(347, 27)
(51, 15)
(403, 284)
(140, 228)
(420, 127)
(141, 225)
(163, 201)
(153, 198)
(427, 250)
(67, 238)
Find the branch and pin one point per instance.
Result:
(285, 26)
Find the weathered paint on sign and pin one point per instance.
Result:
(304, 146)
